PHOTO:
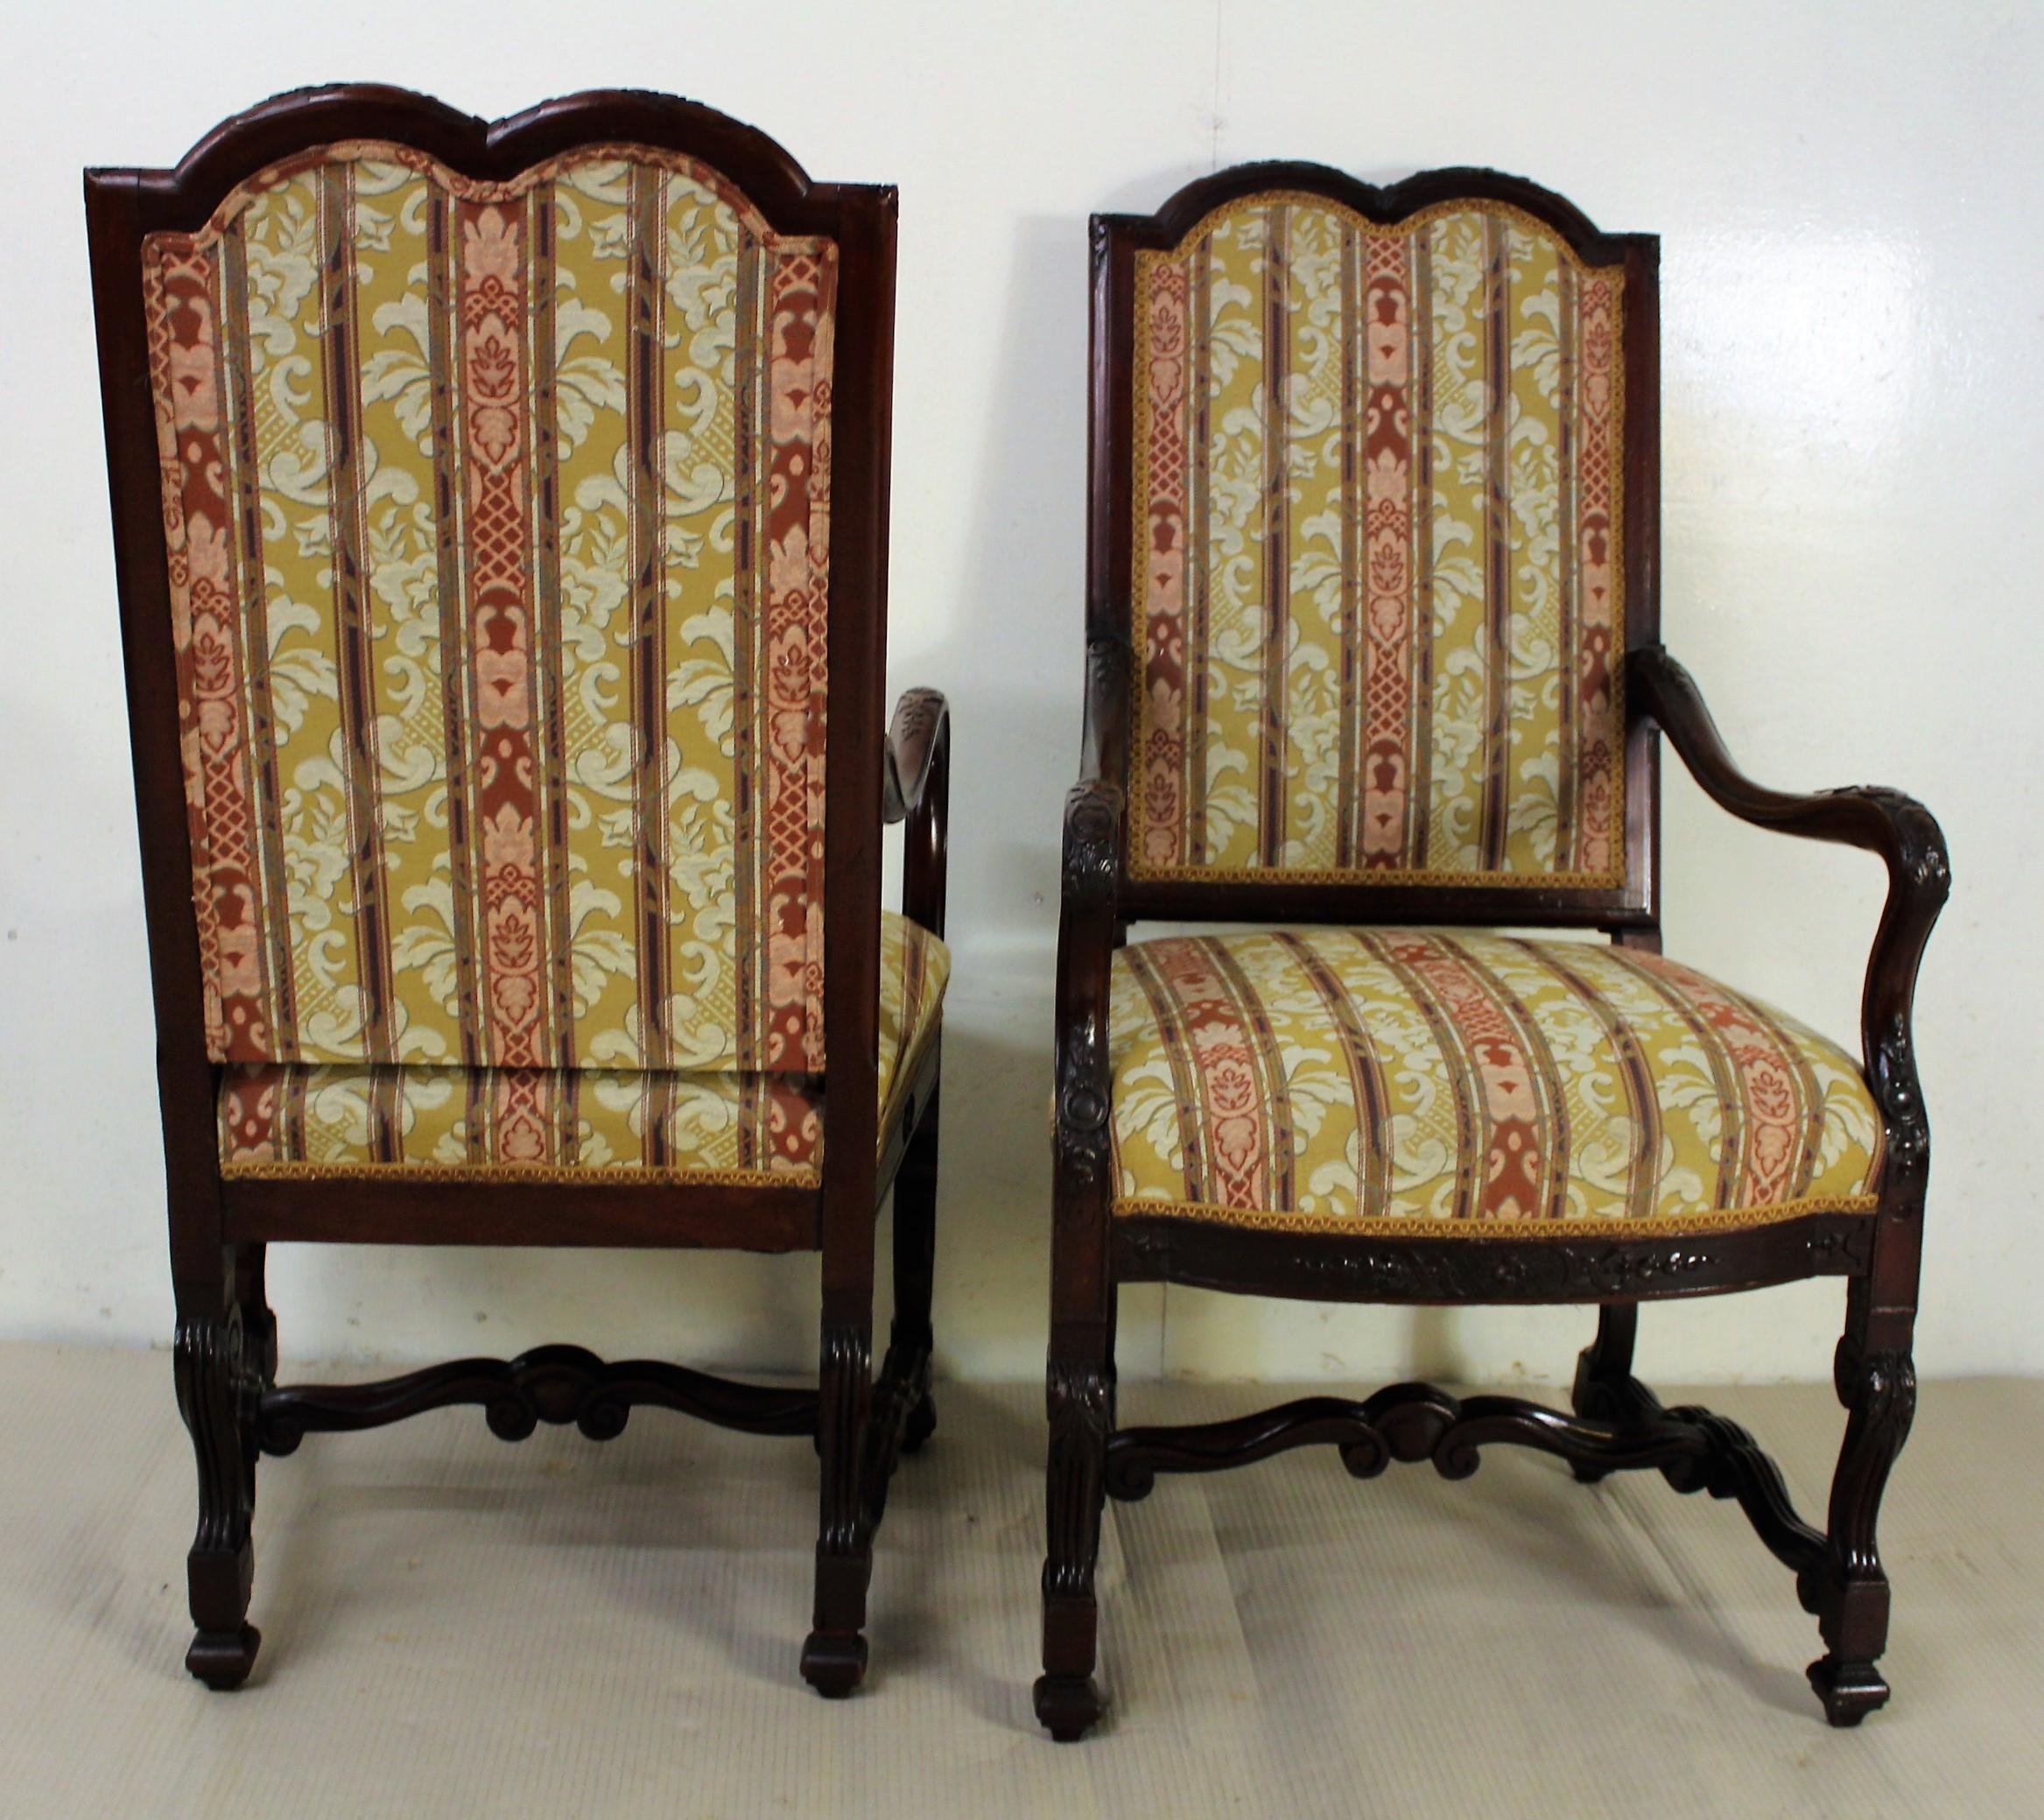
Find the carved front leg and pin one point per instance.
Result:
(1850, 1593)
(1081, 1410)
(834, 1659)
(218, 1386)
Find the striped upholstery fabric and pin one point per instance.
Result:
(1378, 1078)
(1378, 623)
(498, 521)
(288, 1119)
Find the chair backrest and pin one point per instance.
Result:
(1377, 577)
(497, 514)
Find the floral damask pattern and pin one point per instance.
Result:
(1366, 1076)
(281, 1120)
(498, 524)
(1377, 615)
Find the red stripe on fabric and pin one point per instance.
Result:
(495, 433)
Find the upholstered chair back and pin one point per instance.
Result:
(498, 516)
(1376, 554)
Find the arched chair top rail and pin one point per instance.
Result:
(183, 199)
(1385, 204)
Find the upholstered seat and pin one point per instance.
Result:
(1351, 1079)
(284, 1119)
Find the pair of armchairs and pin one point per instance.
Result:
(500, 520)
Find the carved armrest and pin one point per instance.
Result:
(916, 744)
(1880, 820)
(916, 789)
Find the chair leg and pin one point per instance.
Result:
(218, 1384)
(1850, 1594)
(833, 1660)
(1605, 1388)
(910, 1339)
(259, 1320)
(1081, 1398)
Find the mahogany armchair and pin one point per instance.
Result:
(1372, 642)
(497, 507)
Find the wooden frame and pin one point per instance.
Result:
(226, 1348)
(1616, 1421)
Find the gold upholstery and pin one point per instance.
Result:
(1395, 1079)
(498, 518)
(281, 1119)
(1379, 623)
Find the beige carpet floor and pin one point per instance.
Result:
(453, 1626)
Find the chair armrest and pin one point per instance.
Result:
(1880, 820)
(916, 789)
(921, 727)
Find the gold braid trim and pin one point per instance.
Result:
(548, 1173)
(1500, 1232)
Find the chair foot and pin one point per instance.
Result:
(1850, 1690)
(1068, 1706)
(222, 1659)
(921, 1424)
(833, 1662)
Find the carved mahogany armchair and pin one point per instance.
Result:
(1373, 643)
(482, 497)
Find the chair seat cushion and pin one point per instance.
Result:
(1367, 1080)
(281, 1119)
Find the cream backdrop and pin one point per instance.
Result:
(1853, 302)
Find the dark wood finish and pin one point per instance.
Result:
(1617, 1423)
(1693, 1449)
(555, 1384)
(225, 1347)
(1323, 1267)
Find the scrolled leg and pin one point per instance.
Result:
(1080, 1393)
(834, 1659)
(217, 1387)
(1850, 1593)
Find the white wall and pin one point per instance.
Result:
(1853, 302)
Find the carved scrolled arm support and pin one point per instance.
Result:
(916, 789)
(1870, 817)
(1086, 947)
